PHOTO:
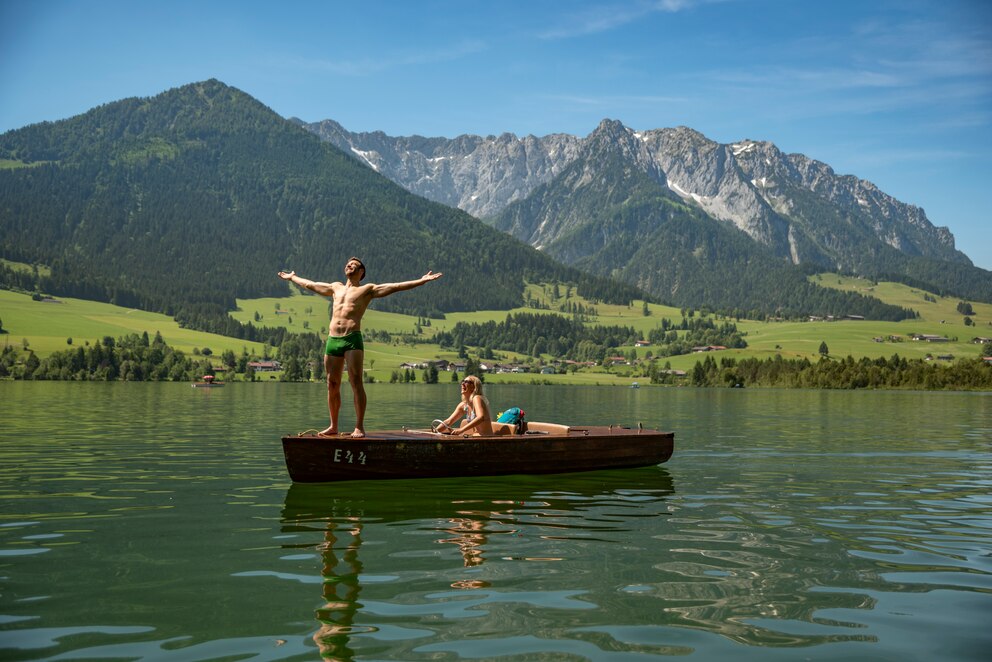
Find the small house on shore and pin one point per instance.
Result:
(265, 366)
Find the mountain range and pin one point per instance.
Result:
(573, 197)
(187, 200)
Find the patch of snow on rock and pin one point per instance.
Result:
(742, 148)
(365, 156)
(686, 194)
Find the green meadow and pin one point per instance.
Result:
(47, 325)
(302, 312)
(20, 266)
(791, 339)
(10, 164)
(858, 338)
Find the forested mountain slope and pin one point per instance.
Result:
(182, 202)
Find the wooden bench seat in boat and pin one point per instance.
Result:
(504, 429)
(548, 428)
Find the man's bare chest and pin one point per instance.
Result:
(347, 298)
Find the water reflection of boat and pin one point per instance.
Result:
(472, 515)
(400, 500)
(546, 448)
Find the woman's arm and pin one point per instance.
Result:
(450, 421)
(481, 415)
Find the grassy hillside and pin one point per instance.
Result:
(304, 312)
(47, 325)
(765, 339)
(937, 317)
(308, 313)
(25, 268)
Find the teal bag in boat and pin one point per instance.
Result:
(514, 416)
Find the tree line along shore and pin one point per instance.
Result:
(557, 337)
(138, 357)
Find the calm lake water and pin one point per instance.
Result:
(157, 522)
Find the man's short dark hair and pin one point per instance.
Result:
(361, 264)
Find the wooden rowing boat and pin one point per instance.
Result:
(545, 448)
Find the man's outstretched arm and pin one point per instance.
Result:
(319, 288)
(385, 289)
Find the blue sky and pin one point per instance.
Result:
(895, 92)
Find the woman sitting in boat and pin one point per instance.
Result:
(474, 408)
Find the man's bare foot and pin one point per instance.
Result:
(357, 434)
(328, 432)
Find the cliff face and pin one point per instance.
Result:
(478, 175)
(794, 206)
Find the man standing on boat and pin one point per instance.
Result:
(344, 340)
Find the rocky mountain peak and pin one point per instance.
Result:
(608, 128)
(794, 205)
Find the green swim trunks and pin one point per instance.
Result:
(338, 345)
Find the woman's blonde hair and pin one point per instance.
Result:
(476, 386)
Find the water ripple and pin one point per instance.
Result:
(159, 524)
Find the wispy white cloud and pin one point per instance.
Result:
(614, 15)
(368, 65)
(608, 101)
(800, 92)
(960, 120)
(875, 157)
(885, 57)
(879, 67)
(925, 50)
(805, 78)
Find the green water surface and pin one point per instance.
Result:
(157, 522)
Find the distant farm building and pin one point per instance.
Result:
(265, 366)
(929, 337)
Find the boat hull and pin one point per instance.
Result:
(417, 454)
